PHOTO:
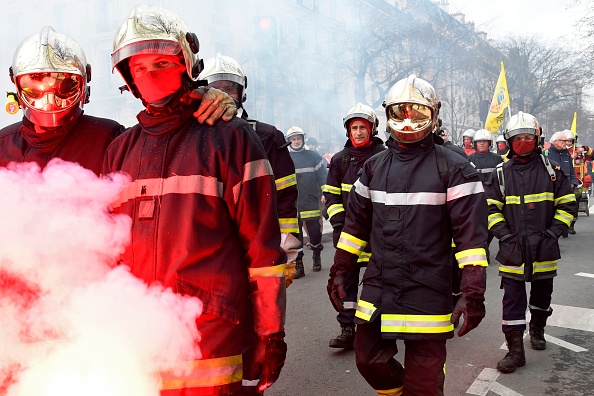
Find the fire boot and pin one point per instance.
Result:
(538, 322)
(515, 357)
(300, 271)
(317, 259)
(345, 339)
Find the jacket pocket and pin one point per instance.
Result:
(215, 302)
(548, 249)
(510, 252)
(439, 282)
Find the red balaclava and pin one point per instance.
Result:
(367, 141)
(157, 85)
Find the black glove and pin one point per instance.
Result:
(270, 353)
(343, 263)
(472, 302)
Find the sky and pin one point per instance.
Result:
(549, 19)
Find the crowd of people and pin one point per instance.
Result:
(417, 211)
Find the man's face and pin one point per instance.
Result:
(156, 76)
(501, 145)
(359, 132)
(467, 141)
(561, 143)
(482, 146)
(296, 141)
(229, 87)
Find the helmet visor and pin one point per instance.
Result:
(51, 90)
(409, 117)
(162, 47)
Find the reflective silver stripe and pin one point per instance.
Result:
(320, 164)
(513, 322)
(192, 184)
(250, 383)
(350, 305)
(465, 189)
(252, 170)
(361, 189)
(485, 170)
(419, 198)
(549, 309)
(305, 170)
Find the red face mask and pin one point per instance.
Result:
(524, 147)
(156, 85)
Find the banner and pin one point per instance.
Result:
(499, 103)
(574, 124)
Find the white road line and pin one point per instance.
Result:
(485, 382)
(587, 275)
(564, 344)
(572, 318)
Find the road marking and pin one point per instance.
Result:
(564, 344)
(485, 382)
(572, 318)
(585, 274)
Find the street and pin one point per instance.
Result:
(564, 369)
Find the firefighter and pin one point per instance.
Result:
(467, 143)
(202, 203)
(530, 204)
(483, 159)
(312, 144)
(361, 124)
(311, 176)
(579, 155)
(409, 202)
(52, 89)
(501, 148)
(225, 73)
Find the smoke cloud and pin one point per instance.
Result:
(72, 322)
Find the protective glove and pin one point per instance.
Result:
(343, 263)
(214, 104)
(290, 272)
(291, 245)
(270, 353)
(472, 286)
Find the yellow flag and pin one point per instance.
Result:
(498, 104)
(574, 124)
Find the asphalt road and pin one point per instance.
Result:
(314, 369)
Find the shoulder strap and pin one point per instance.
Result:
(442, 164)
(547, 164)
(344, 163)
(500, 178)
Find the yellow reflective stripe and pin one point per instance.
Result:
(364, 257)
(285, 182)
(512, 200)
(346, 187)
(288, 225)
(192, 184)
(252, 170)
(365, 310)
(351, 244)
(334, 209)
(539, 266)
(390, 392)
(205, 373)
(273, 271)
(546, 196)
(331, 189)
(563, 216)
(476, 256)
(565, 199)
(310, 214)
(498, 204)
(495, 218)
(398, 323)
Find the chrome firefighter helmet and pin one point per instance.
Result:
(154, 30)
(361, 111)
(296, 131)
(500, 139)
(521, 123)
(469, 133)
(482, 135)
(225, 68)
(50, 72)
(411, 110)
